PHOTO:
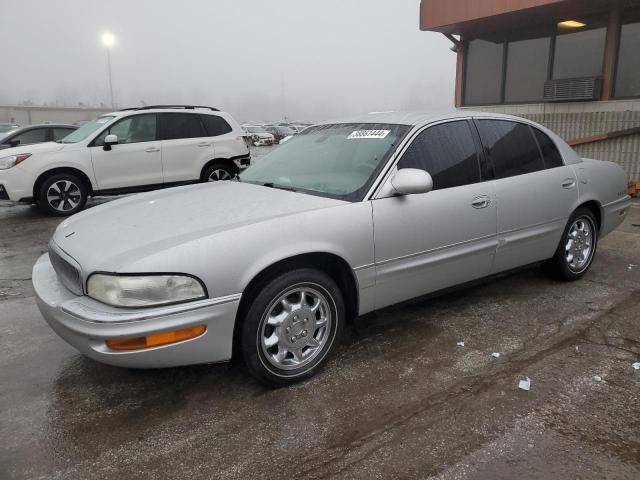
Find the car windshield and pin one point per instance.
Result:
(256, 130)
(85, 130)
(338, 161)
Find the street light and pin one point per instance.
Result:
(108, 40)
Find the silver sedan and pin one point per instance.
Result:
(345, 218)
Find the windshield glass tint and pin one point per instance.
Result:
(256, 130)
(338, 161)
(7, 128)
(86, 129)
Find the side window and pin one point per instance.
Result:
(60, 133)
(133, 129)
(215, 125)
(37, 135)
(511, 147)
(550, 153)
(181, 125)
(447, 152)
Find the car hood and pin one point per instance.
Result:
(33, 149)
(112, 236)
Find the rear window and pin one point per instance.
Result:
(550, 153)
(215, 125)
(511, 147)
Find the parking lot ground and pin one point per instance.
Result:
(399, 399)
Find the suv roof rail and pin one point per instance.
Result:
(186, 107)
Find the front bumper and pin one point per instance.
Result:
(86, 324)
(15, 184)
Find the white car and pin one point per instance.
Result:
(133, 150)
(259, 136)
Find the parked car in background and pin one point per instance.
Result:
(33, 134)
(133, 150)
(357, 215)
(259, 136)
(7, 127)
(279, 132)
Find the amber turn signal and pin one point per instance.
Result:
(157, 339)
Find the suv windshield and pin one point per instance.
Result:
(256, 130)
(85, 130)
(338, 161)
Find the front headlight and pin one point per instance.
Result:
(13, 160)
(144, 290)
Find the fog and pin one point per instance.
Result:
(256, 59)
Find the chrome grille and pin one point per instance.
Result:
(68, 274)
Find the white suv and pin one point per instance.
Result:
(132, 150)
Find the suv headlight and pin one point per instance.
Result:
(13, 160)
(144, 290)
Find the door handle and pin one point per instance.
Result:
(482, 201)
(568, 183)
(204, 144)
(152, 149)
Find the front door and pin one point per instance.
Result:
(135, 161)
(431, 241)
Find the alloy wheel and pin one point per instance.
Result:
(219, 174)
(579, 244)
(64, 195)
(295, 328)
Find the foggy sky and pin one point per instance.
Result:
(257, 59)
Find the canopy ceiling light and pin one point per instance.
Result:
(571, 24)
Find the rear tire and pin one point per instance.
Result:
(218, 171)
(292, 327)
(577, 247)
(62, 195)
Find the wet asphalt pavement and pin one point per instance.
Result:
(399, 400)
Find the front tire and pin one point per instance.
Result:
(62, 195)
(577, 247)
(292, 327)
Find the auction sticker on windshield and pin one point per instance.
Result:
(368, 134)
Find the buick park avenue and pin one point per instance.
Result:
(346, 218)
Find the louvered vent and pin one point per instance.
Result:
(572, 89)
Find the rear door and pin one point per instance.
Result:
(135, 161)
(535, 191)
(431, 241)
(186, 147)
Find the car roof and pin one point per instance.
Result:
(417, 118)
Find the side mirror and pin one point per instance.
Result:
(14, 143)
(408, 181)
(109, 140)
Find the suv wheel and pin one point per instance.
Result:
(62, 195)
(292, 327)
(217, 171)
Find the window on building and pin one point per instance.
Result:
(447, 152)
(579, 54)
(527, 69)
(628, 72)
(483, 76)
(511, 147)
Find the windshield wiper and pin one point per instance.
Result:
(280, 187)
